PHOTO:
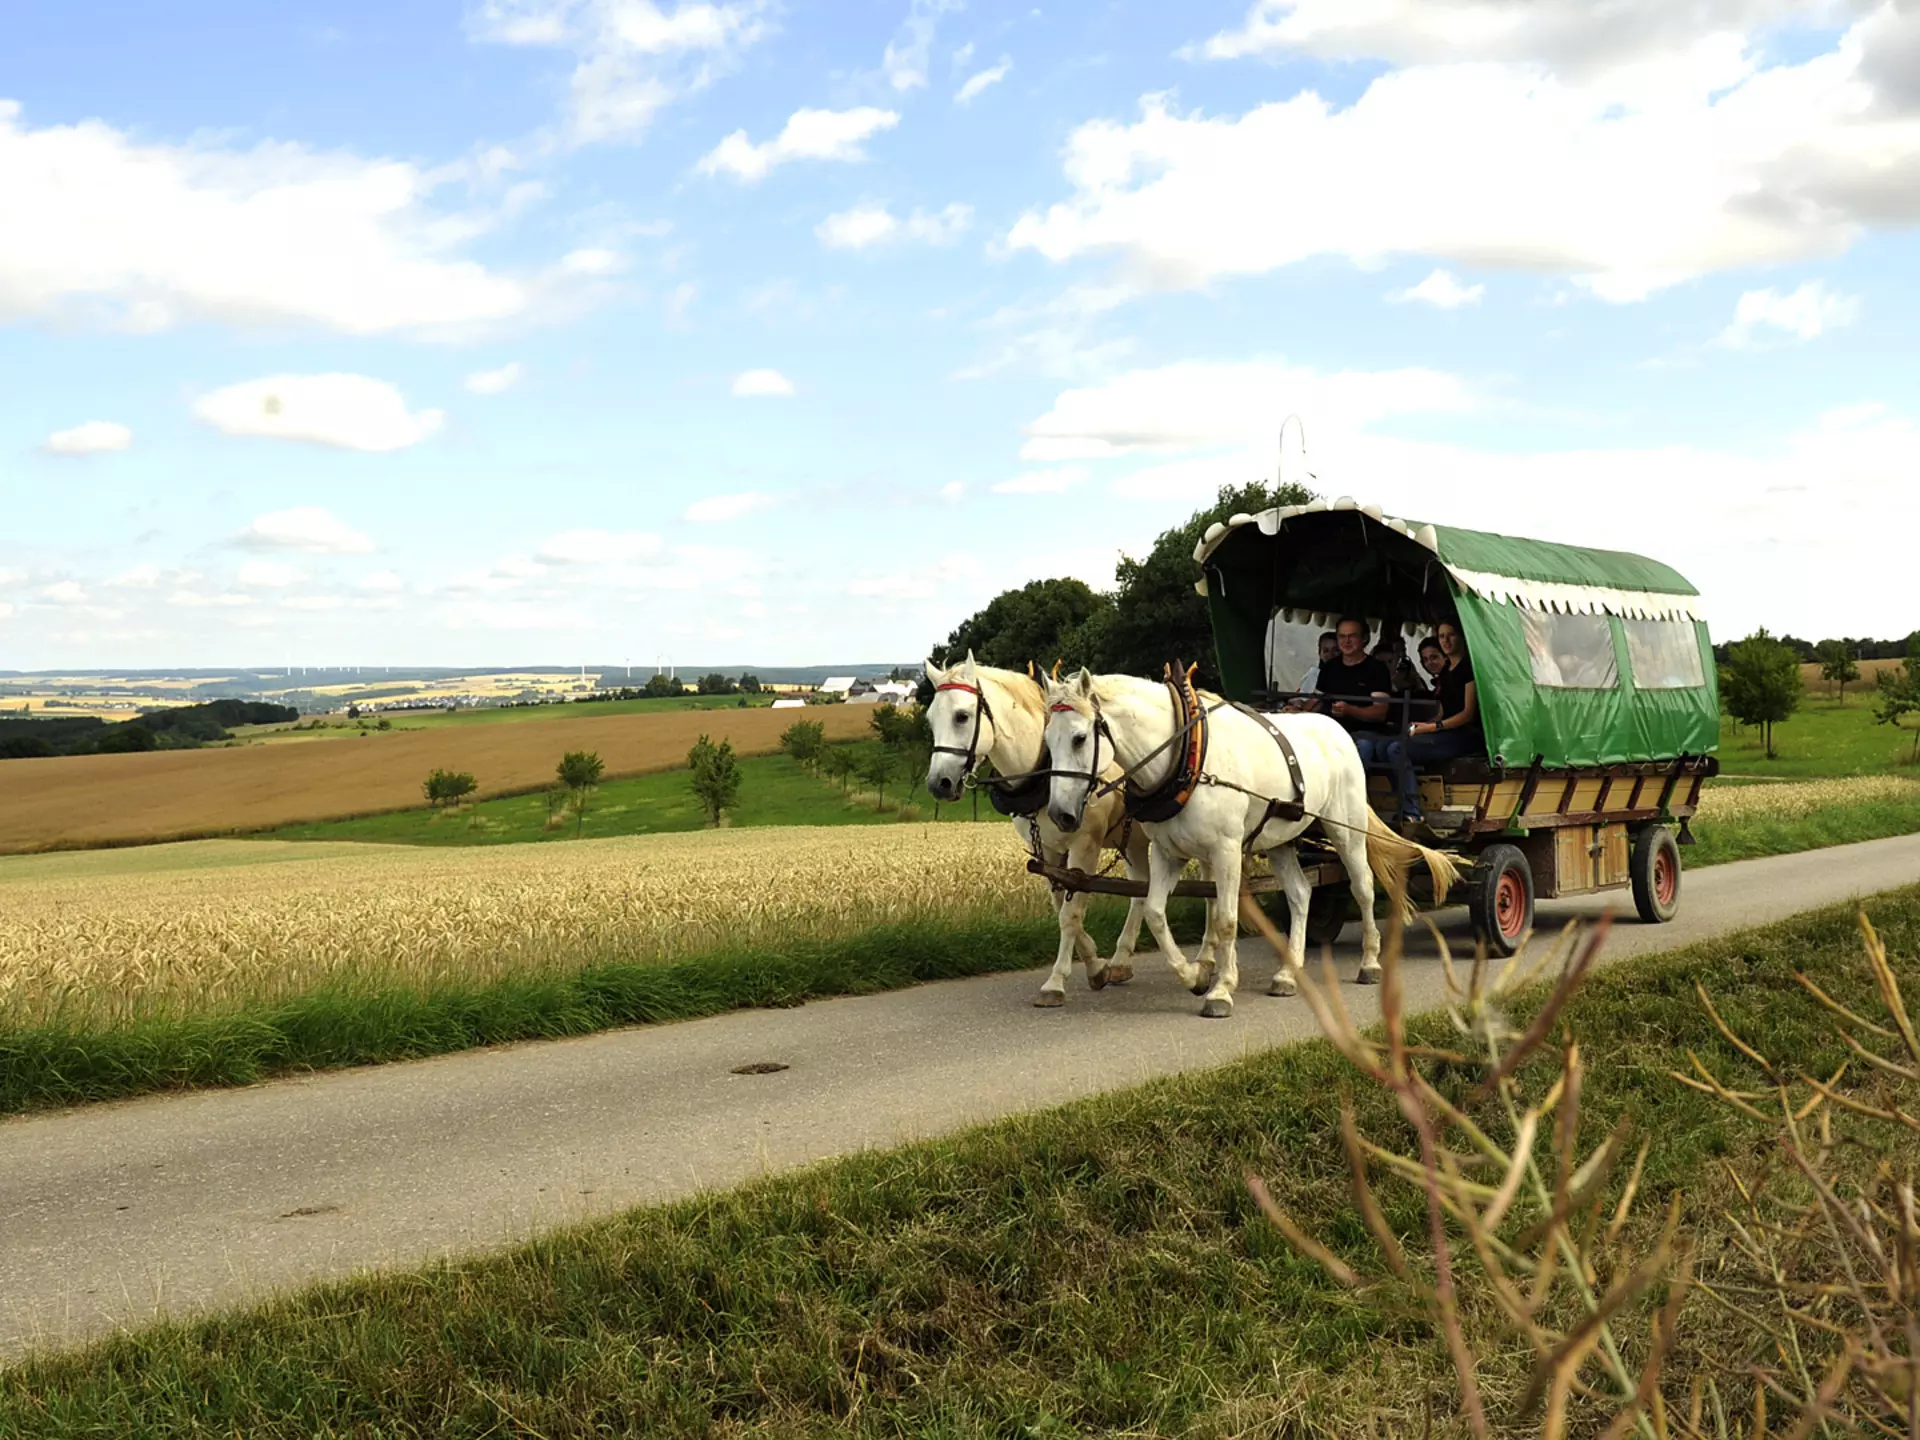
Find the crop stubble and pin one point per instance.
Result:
(81, 800)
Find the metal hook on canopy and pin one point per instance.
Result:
(1280, 464)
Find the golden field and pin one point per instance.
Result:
(104, 936)
(84, 800)
(1789, 800)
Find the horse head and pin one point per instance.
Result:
(962, 724)
(1073, 741)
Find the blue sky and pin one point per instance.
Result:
(551, 330)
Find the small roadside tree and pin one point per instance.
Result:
(661, 685)
(804, 740)
(580, 772)
(1837, 666)
(749, 684)
(448, 787)
(838, 761)
(715, 684)
(1900, 694)
(715, 777)
(1762, 679)
(893, 726)
(876, 770)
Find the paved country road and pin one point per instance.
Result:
(178, 1203)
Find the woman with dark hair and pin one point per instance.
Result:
(1454, 733)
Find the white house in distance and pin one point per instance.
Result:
(837, 685)
(792, 703)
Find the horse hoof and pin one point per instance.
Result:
(1049, 1000)
(1204, 982)
(1111, 975)
(1368, 976)
(1283, 985)
(1216, 1007)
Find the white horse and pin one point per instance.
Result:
(980, 713)
(1093, 720)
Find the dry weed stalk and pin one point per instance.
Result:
(1824, 1275)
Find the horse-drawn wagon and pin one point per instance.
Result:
(1595, 680)
(1595, 689)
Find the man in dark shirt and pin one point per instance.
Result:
(1356, 675)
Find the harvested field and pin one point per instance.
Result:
(87, 800)
(1793, 800)
(99, 939)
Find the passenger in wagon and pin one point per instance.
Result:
(1455, 733)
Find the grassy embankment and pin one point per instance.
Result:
(1097, 1268)
(217, 963)
(774, 790)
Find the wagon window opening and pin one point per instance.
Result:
(1665, 654)
(1570, 652)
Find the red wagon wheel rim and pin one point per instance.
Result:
(1666, 878)
(1510, 905)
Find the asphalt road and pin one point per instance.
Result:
(111, 1214)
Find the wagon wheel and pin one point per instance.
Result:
(1327, 914)
(1656, 874)
(1500, 899)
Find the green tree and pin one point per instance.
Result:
(876, 769)
(749, 683)
(715, 684)
(1837, 666)
(715, 777)
(660, 685)
(580, 772)
(804, 740)
(894, 726)
(448, 787)
(1031, 623)
(1900, 693)
(839, 762)
(1155, 615)
(1762, 680)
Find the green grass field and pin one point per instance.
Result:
(1825, 737)
(335, 727)
(774, 790)
(1094, 1269)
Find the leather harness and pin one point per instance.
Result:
(1021, 797)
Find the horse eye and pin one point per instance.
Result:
(961, 716)
(1078, 741)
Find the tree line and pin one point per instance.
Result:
(182, 727)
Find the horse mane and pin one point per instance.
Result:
(1026, 695)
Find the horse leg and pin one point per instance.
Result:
(1083, 854)
(1223, 930)
(1120, 968)
(1163, 870)
(1350, 842)
(1293, 884)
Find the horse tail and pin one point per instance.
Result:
(1389, 856)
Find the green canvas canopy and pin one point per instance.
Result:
(1580, 656)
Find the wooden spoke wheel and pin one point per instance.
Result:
(1656, 874)
(1500, 899)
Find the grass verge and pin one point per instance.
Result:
(1744, 822)
(54, 1064)
(1092, 1269)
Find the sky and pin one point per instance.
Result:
(586, 330)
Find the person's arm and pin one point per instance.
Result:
(1347, 710)
(1469, 713)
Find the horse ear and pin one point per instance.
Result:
(972, 665)
(1056, 668)
(1083, 682)
(935, 674)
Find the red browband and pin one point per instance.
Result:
(956, 685)
(1062, 706)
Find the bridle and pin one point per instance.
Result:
(1092, 774)
(983, 711)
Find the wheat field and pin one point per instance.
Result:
(86, 800)
(1790, 800)
(105, 937)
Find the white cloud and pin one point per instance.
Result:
(717, 509)
(1193, 404)
(596, 547)
(593, 260)
(867, 225)
(494, 382)
(1043, 482)
(63, 592)
(632, 57)
(952, 491)
(269, 575)
(351, 412)
(307, 528)
(1800, 314)
(1684, 153)
(1443, 289)
(807, 135)
(143, 236)
(754, 383)
(976, 83)
(382, 582)
(905, 61)
(90, 438)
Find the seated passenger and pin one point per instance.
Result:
(1433, 660)
(1456, 733)
(1408, 692)
(1329, 646)
(1364, 689)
